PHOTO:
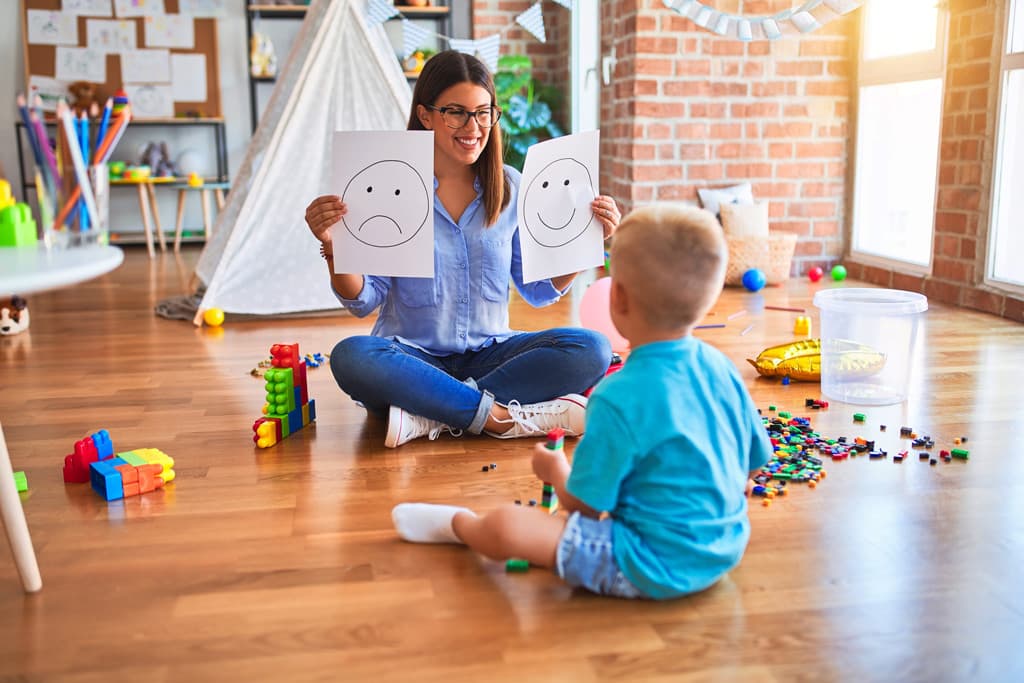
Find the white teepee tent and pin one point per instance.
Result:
(342, 74)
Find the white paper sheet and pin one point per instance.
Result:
(215, 9)
(150, 101)
(110, 35)
(146, 66)
(50, 91)
(89, 8)
(557, 230)
(188, 78)
(387, 181)
(138, 8)
(171, 30)
(52, 28)
(81, 64)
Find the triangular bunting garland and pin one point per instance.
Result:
(567, 4)
(533, 21)
(379, 11)
(808, 16)
(488, 49)
(413, 37)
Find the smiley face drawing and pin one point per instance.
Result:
(387, 204)
(556, 207)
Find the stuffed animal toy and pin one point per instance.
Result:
(15, 318)
(84, 96)
(262, 56)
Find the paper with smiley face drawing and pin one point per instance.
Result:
(557, 230)
(386, 179)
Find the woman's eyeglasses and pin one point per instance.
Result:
(457, 117)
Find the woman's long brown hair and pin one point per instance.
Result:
(441, 72)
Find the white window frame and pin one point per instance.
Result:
(584, 67)
(901, 69)
(1008, 62)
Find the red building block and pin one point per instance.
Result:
(76, 465)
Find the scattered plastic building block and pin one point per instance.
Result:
(20, 482)
(802, 325)
(87, 451)
(287, 408)
(518, 566)
(859, 417)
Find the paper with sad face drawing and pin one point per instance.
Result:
(557, 230)
(386, 179)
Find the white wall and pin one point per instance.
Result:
(233, 58)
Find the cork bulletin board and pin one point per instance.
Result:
(176, 74)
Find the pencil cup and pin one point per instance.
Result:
(99, 231)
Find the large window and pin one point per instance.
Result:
(1006, 244)
(899, 110)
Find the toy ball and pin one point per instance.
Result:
(594, 313)
(214, 317)
(838, 273)
(754, 279)
(815, 274)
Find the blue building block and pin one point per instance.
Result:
(312, 410)
(104, 446)
(105, 478)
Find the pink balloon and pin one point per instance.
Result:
(594, 314)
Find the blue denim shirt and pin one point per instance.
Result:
(464, 307)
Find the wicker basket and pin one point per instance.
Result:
(774, 256)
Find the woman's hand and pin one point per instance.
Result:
(607, 212)
(322, 213)
(550, 466)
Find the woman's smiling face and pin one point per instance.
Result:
(462, 146)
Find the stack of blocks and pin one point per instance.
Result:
(288, 408)
(117, 476)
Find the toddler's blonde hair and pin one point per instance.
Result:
(671, 259)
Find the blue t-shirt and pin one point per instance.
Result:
(464, 307)
(669, 442)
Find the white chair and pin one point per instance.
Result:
(14, 523)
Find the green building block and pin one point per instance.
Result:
(519, 566)
(859, 417)
(133, 459)
(771, 408)
(20, 482)
(280, 391)
(785, 415)
(960, 453)
(17, 227)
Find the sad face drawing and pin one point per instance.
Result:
(387, 203)
(557, 203)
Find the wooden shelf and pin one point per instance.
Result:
(264, 79)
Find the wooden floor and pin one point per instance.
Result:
(282, 565)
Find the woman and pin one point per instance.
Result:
(441, 355)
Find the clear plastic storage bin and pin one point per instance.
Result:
(867, 338)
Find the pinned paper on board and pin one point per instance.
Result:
(145, 66)
(386, 180)
(52, 28)
(188, 78)
(210, 9)
(50, 91)
(139, 8)
(110, 35)
(171, 30)
(150, 100)
(87, 8)
(81, 64)
(557, 229)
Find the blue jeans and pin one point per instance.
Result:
(459, 390)
(585, 558)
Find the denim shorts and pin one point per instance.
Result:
(584, 558)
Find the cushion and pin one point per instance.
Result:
(745, 220)
(712, 199)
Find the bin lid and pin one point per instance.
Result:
(864, 299)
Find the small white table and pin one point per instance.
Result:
(27, 270)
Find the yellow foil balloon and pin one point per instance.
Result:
(801, 360)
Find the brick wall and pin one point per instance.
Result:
(689, 109)
(550, 59)
(969, 128)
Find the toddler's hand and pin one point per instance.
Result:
(548, 465)
(322, 213)
(607, 212)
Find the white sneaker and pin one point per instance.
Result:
(537, 419)
(403, 427)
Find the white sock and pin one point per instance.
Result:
(426, 523)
